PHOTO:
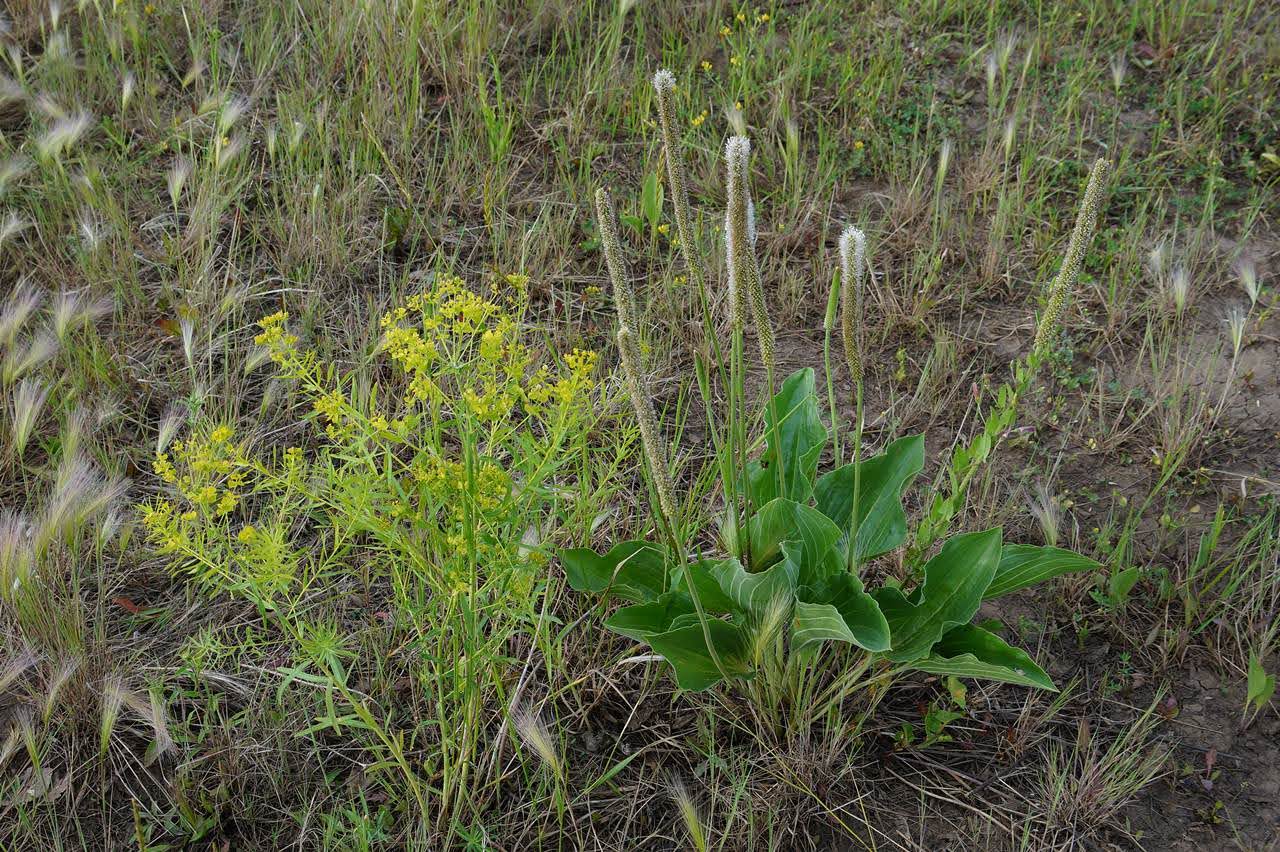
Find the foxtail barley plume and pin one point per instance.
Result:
(73, 310)
(12, 169)
(1236, 319)
(11, 226)
(17, 363)
(62, 135)
(624, 298)
(127, 86)
(1248, 273)
(233, 109)
(28, 402)
(664, 86)
(740, 244)
(533, 732)
(177, 178)
(17, 310)
(689, 814)
(113, 697)
(853, 265)
(1119, 68)
(1086, 222)
(1180, 287)
(655, 445)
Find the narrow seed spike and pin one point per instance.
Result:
(624, 297)
(1073, 260)
(655, 447)
(740, 245)
(664, 85)
(853, 265)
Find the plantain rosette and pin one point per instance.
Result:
(798, 540)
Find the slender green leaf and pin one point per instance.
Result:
(969, 651)
(1023, 565)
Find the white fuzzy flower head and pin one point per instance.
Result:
(1235, 320)
(11, 225)
(663, 81)
(737, 157)
(944, 158)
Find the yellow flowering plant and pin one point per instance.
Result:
(441, 486)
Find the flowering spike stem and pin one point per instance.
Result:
(664, 86)
(624, 297)
(740, 238)
(1060, 290)
(746, 290)
(853, 267)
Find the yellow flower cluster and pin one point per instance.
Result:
(453, 343)
(208, 473)
(281, 345)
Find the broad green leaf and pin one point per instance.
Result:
(785, 520)
(710, 595)
(753, 592)
(632, 570)
(1023, 565)
(794, 445)
(882, 525)
(954, 582)
(970, 651)
(685, 648)
(640, 621)
(842, 611)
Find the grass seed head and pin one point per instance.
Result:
(533, 732)
(28, 402)
(1247, 271)
(689, 814)
(63, 133)
(11, 225)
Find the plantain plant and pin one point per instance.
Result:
(787, 578)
